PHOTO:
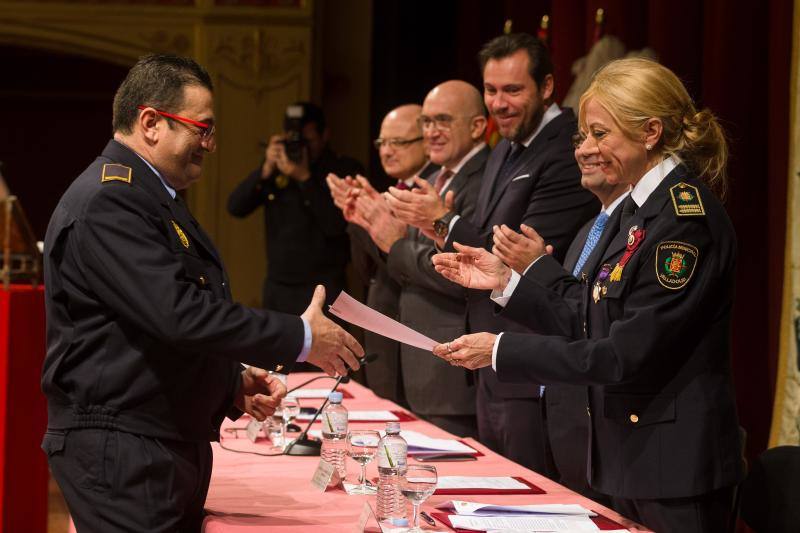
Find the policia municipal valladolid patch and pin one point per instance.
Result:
(675, 263)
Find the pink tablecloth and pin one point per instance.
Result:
(251, 492)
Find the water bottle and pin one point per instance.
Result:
(392, 456)
(334, 433)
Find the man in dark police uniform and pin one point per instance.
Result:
(143, 341)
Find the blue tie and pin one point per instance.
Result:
(591, 241)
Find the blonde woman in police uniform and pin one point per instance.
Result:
(656, 311)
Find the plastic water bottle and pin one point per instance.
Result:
(392, 457)
(334, 433)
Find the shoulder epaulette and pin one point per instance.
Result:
(115, 172)
(686, 200)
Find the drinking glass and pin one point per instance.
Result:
(290, 409)
(417, 484)
(362, 444)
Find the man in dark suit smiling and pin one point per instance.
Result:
(531, 177)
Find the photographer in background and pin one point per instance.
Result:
(307, 241)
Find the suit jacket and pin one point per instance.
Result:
(142, 335)
(383, 295)
(567, 405)
(435, 307)
(543, 190)
(657, 356)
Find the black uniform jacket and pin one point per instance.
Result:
(142, 335)
(306, 233)
(543, 190)
(657, 356)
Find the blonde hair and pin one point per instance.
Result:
(636, 90)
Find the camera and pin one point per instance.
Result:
(295, 143)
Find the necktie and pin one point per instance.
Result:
(441, 179)
(628, 207)
(511, 158)
(591, 241)
(402, 185)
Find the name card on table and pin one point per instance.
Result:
(324, 475)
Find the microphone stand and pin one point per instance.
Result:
(305, 446)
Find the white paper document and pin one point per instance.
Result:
(487, 509)
(419, 444)
(479, 482)
(525, 523)
(310, 393)
(358, 416)
(348, 308)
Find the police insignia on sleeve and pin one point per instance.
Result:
(686, 200)
(181, 235)
(115, 172)
(675, 263)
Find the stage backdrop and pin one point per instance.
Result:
(786, 417)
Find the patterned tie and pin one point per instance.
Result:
(441, 179)
(591, 241)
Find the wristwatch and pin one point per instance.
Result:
(441, 226)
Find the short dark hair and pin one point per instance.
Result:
(312, 114)
(540, 64)
(156, 80)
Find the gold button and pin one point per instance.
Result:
(278, 368)
(202, 280)
(634, 419)
(270, 197)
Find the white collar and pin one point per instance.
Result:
(642, 190)
(458, 166)
(170, 190)
(552, 112)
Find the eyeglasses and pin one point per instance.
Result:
(206, 133)
(394, 143)
(441, 122)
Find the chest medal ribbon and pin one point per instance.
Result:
(635, 238)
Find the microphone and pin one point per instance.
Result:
(312, 380)
(309, 447)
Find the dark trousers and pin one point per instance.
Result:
(115, 481)
(707, 513)
(458, 425)
(512, 427)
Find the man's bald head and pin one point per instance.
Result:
(401, 150)
(453, 120)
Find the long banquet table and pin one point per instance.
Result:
(251, 493)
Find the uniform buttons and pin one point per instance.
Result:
(202, 280)
(270, 197)
(634, 419)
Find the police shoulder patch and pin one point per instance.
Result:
(686, 200)
(115, 172)
(675, 263)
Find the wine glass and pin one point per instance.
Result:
(417, 484)
(362, 444)
(290, 408)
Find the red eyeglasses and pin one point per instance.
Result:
(206, 132)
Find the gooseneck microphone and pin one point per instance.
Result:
(303, 445)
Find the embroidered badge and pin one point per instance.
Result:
(675, 263)
(635, 238)
(181, 234)
(114, 172)
(686, 200)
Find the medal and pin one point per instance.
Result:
(635, 238)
